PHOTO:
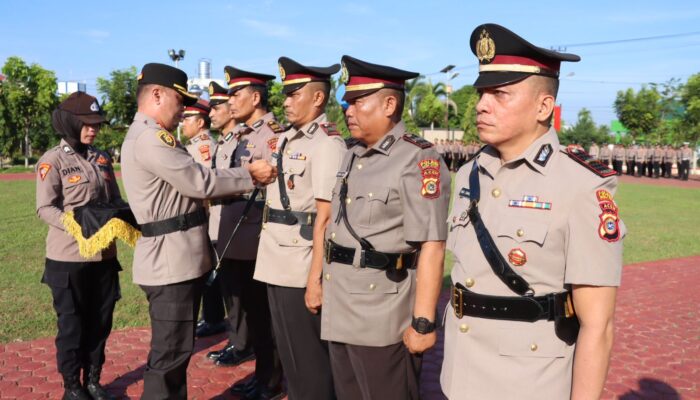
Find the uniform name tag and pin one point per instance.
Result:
(341, 174)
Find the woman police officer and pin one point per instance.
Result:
(84, 290)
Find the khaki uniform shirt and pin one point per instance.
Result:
(605, 154)
(659, 155)
(163, 181)
(310, 160)
(560, 245)
(398, 196)
(66, 180)
(618, 154)
(670, 155)
(594, 151)
(630, 154)
(222, 160)
(256, 142)
(686, 154)
(202, 148)
(641, 154)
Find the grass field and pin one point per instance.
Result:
(663, 222)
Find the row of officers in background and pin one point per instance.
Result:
(653, 161)
(455, 152)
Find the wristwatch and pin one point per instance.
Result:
(422, 325)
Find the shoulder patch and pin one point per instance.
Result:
(583, 158)
(166, 138)
(417, 140)
(44, 169)
(204, 152)
(430, 170)
(275, 126)
(272, 143)
(330, 129)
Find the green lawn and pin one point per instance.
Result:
(663, 223)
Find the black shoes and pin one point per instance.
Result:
(205, 329)
(214, 355)
(265, 393)
(241, 388)
(231, 356)
(91, 377)
(73, 390)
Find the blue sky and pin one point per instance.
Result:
(82, 40)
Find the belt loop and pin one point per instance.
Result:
(362, 258)
(266, 213)
(327, 252)
(457, 302)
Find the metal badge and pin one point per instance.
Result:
(485, 47)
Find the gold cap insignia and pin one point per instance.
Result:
(138, 78)
(344, 75)
(211, 89)
(485, 47)
(283, 74)
(227, 77)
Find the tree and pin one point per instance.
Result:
(335, 112)
(119, 103)
(29, 97)
(585, 131)
(466, 98)
(640, 112)
(690, 99)
(275, 101)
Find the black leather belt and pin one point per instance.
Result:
(288, 217)
(369, 258)
(523, 308)
(230, 200)
(180, 223)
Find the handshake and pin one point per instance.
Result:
(262, 172)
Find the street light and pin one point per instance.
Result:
(176, 56)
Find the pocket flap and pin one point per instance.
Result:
(57, 279)
(522, 230)
(372, 284)
(294, 167)
(535, 340)
(373, 194)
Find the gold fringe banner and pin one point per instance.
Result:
(115, 228)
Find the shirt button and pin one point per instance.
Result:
(533, 347)
(469, 282)
(520, 233)
(291, 170)
(289, 152)
(269, 202)
(496, 193)
(348, 200)
(464, 328)
(359, 166)
(295, 241)
(332, 235)
(264, 226)
(370, 194)
(328, 277)
(372, 286)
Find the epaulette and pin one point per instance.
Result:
(417, 140)
(580, 156)
(351, 142)
(330, 129)
(275, 126)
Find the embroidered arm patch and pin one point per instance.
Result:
(430, 171)
(166, 138)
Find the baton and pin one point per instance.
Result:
(246, 209)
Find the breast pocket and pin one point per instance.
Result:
(294, 167)
(522, 231)
(75, 184)
(372, 201)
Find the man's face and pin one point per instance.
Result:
(242, 104)
(170, 108)
(365, 116)
(299, 106)
(220, 115)
(190, 126)
(505, 113)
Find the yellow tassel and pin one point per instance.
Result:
(115, 228)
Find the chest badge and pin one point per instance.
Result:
(517, 257)
(74, 179)
(102, 160)
(530, 202)
(290, 183)
(297, 156)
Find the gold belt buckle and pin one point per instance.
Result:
(457, 302)
(266, 212)
(327, 252)
(569, 306)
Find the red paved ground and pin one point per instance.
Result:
(656, 353)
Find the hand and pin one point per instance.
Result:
(417, 343)
(262, 172)
(314, 296)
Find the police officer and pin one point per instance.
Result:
(594, 151)
(618, 158)
(650, 161)
(384, 244)
(532, 222)
(298, 209)
(237, 348)
(658, 160)
(630, 157)
(84, 291)
(669, 160)
(195, 127)
(165, 186)
(686, 154)
(248, 102)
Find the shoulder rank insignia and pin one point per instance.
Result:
(430, 170)
(330, 129)
(275, 126)
(44, 169)
(583, 158)
(166, 138)
(417, 140)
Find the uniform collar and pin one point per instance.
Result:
(258, 125)
(313, 127)
(385, 144)
(538, 155)
(148, 121)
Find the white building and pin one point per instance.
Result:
(68, 87)
(200, 84)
